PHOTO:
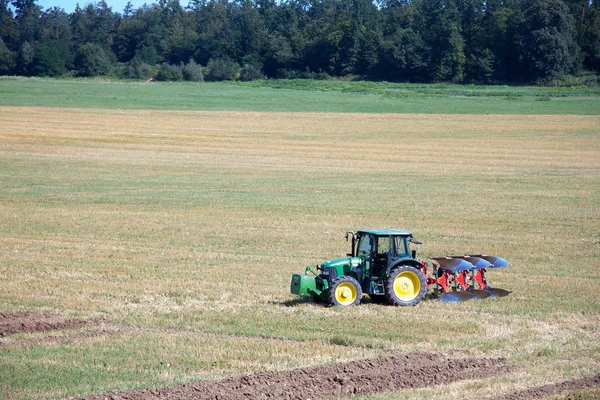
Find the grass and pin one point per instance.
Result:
(300, 96)
(185, 227)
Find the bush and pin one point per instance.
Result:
(588, 79)
(168, 72)
(136, 69)
(222, 69)
(92, 60)
(192, 71)
(250, 73)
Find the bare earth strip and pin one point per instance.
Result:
(410, 370)
(29, 322)
(544, 391)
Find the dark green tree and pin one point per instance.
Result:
(214, 31)
(27, 15)
(548, 46)
(441, 30)
(9, 29)
(53, 59)
(8, 59)
(54, 24)
(502, 30)
(590, 37)
(248, 31)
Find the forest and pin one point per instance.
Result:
(453, 41)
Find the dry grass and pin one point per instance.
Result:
(196, 220)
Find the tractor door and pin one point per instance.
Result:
(365, 249)
(399, 249)
(381, 255)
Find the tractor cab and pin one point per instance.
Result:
(381, 249)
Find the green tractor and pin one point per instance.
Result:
(383, 265)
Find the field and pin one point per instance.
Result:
(150, 243)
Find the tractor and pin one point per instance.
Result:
(382, 265)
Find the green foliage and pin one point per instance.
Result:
(168, 72)
(548, 48)
(26, 58)
(457, 41)
(53, 59)
(7, 59)
(136, 69)
(192, 71)
(91, 60)
(222, 69)
(250, 73)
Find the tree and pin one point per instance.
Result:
(53, 59)
(248, 30)
(441, 30)
(27, 14)
(590, 37)
(25, 59)
(405, 57)
(502, 30)
(7, 59)
(548, 46)
(214, 30)
(9, 30)
(54, 24)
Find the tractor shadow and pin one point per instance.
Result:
(319, 302)
(298, 301)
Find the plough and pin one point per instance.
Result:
(382, 265)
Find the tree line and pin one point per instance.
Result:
(461, 41)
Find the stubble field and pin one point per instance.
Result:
(161, 245)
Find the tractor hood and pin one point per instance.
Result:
(353, 261)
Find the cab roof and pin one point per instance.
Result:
(386, 232)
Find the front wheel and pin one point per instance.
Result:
(345, 291)
(405, 286)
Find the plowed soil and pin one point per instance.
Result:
(27, 322)
(544, 391)
(411, 370)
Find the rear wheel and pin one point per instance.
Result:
(405, 286)
(345, 291)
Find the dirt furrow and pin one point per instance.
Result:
(28, 322)
(410, 370)
(544, 391)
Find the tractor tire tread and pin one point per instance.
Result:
(389, 286)
(336, 282)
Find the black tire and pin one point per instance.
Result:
(405, 286)
(344, 291)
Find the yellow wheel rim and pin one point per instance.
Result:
(407, 286)
(345, 293)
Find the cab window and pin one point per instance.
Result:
(383, 245)
(400, 246)
(364, 246)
